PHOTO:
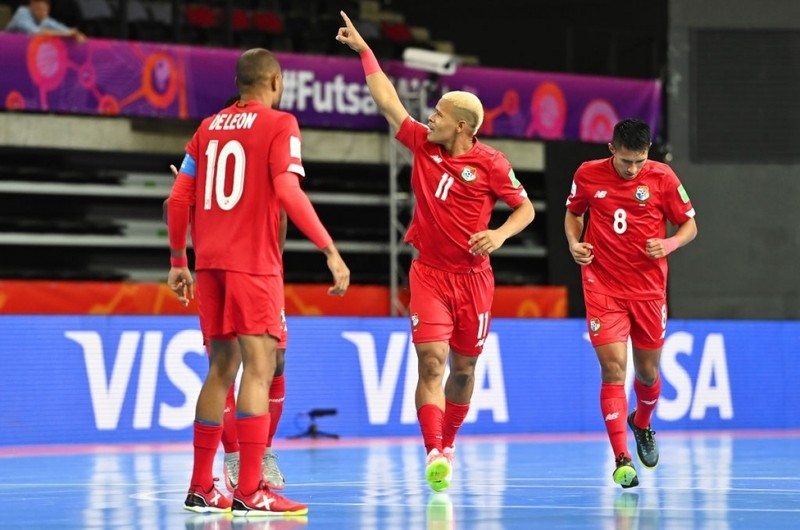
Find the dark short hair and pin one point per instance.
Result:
(632, 134)
(255, 66)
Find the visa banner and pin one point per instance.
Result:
(112, 379)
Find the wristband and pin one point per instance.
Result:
(179, 261)
(369, 62)
(671, 244)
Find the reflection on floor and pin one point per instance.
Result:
(704, 481)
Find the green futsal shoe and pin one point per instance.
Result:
(437, 471)
(625, 473)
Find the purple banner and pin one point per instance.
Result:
(171, 81)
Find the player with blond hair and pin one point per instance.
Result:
(456, 180)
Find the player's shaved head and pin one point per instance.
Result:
(255, 66)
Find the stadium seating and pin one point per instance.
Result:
(98, 216)
(303, 26)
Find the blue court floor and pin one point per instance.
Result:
(704, 481)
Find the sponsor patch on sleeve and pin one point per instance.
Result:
(683, 194)
(513, 178)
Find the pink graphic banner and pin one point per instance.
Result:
(128, 78)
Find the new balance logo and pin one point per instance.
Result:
(600, 194)
(612, 416)
(650, 402)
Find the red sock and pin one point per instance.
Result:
(205, 442)
(430, 423)
(230, 441)
(614, 406)
(252, 442)
(646, 399)
(277, 393)
(454, 414)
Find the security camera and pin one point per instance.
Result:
(430, 61)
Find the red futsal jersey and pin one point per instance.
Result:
(238, 152)
(623, 215)
(455, 196)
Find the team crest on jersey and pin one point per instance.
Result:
(414, 321)
(595, 325)
(469, 174)
(642, 193)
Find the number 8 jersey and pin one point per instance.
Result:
(623, 215)
(234, 156)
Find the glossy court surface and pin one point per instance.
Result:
(716, 481)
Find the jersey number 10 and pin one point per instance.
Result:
(216, 169)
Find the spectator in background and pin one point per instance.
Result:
(456, 181)
(623, 259)
(35, 19)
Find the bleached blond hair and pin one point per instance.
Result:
(467, 107)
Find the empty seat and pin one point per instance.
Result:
(268, 21)
(97, 18)
(201, 16)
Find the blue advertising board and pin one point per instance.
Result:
(110, 379)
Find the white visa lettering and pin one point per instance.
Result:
(180, 374)
(108, 394)
(490, 386)
(108, 390)
(489, 392)
(380, 385)
(713, 367)
(379, 388)
(690, 398)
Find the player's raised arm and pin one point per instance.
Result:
(381, 89)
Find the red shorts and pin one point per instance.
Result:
(450, 307)
(235, 303)
(615, 319)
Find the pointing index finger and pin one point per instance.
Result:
(346, 19)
